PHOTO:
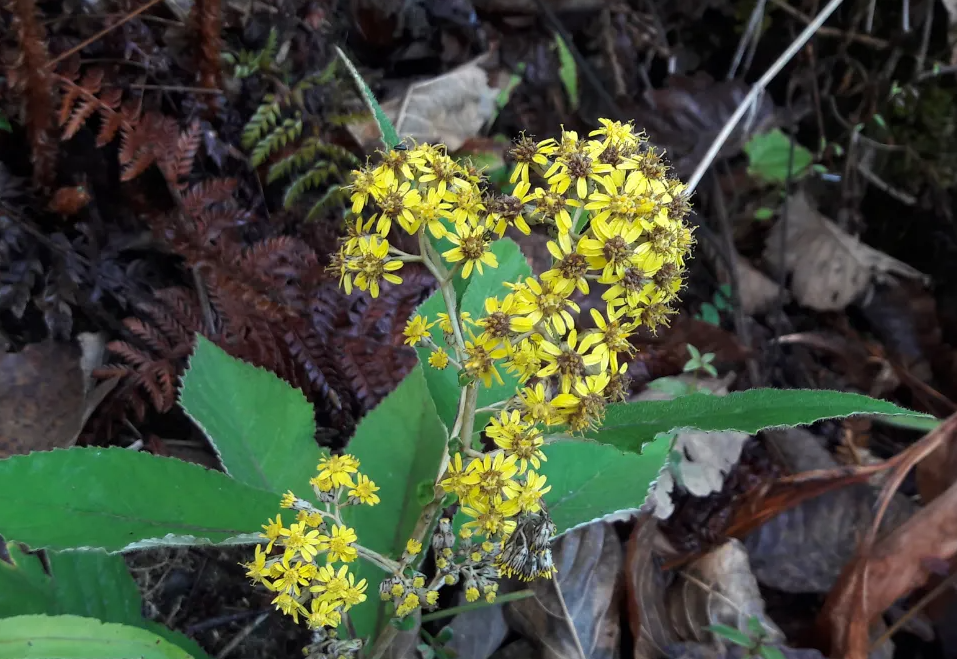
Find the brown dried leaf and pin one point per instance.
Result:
(829, 268)
(478, 633)
(589, 563)
(666, 608)
(46, 394)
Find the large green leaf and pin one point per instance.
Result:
(262, 427)
(76, 637)
(389, 137)
(116, 499)
(85, 583)
(629, 425)
(590, 481)
(400, 446)
(512, 266)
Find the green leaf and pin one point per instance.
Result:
(5, 124)
(763, 213)
(389, 137)
(512, 266)
(116, 499)
(399, 445)
(76, 637)
(590, 481)
(731, 634)
(770, 652)
(568, 71)
(629, 425)
(262, 428)
(87, 583)
(709, 314)
(768, 156)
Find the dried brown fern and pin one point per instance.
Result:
(206, 19)
(30, 77)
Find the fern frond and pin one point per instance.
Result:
(296, 160)
(333, 194)
(313, 178)
(281, 135)
(265, 117)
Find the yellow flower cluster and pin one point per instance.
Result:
(303, 575)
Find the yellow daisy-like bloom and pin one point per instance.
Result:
(490, 517)
(273, 531)
(467, 205)
(569, 360)
(633, 288)
(413, 547)
(584, 405)
(339, 545)
(398, 202)
(288, 577)
(432, 597)
(430, 211)
(535, 405)
(363, 186)
(619, 199)
(495, 474)
(553, 207)
(528, 495)
(442, 172)
(323, 614)
(289, 605)
(457, 479)
(544, 302)
(615, 133)
(612, 249)
(288, 500)
(374, 265)
(507, 210)
(503, 319)
(338, 468)
(354, 594)
(524, 360)
(471, 594)
(439, 359)
(446, 325)
(472, 247)
(611, 337)
(311, 519)
(480, 356)
(416, 330)
(518, 438)
(365, 490)
(256, 569)
(330, 585)
(297, 539)
(526, 153)
(570, 268)
(409, 604)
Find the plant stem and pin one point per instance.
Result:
(455, 610)
(378, 559)
(383, 641)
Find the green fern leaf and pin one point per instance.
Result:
(333, 194)
(310, 180)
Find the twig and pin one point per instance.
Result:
(865, 39)
(455, 610)
(757, 16)
(246, 631)
(83, 44)
(568, 618)
(869, 21)
(914, 610)
(925, 40)
(881, 184)
(750, 100)
(218, 621)
(176, 88)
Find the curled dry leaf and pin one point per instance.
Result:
(804, 548)
(893, 566)
(670, 607)
(47, 394)
(589, 561)
(450, 108)
(755, 289)
(829, 268)
(476, 634)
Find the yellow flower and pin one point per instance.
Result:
(442, 172)
(397, 202)
(526, 152)
(330, 585)
(610, 338)
(289, 605)
(471, 247)
(503, 318)
(542, 302)
(354, 594)
(584, 404)
(340, 544)
(430, 212)
(288, 500)
(363, 184)
(256, 569)
(619, 200)
(554, 208)
(439, 359)
(457, 480)
(495, 474)
(528, 495)
(338, 469)
(413, 547)
(523, 360)
(418, 582)
(296, 539)
(570, 359)
(311, 519)
(535, 406)
(615, 133)
(365, 491)
(490, 517)
(322, 614)
(633, 288)
(518, 438)
(471, 594)
(416, 330)
(432, 597)
(570, 267)
(288, 578)
(273, 531)
(467, 205)
(445, 324)
(480, 356)
(373, 265)
(409, 604)
(505, 210)
(611, 247)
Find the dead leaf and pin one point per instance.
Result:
(589, 563)
(47, 394)
(478, 633)
(810, 530)
(669, 607)
(829, 268)
(755, 289)
(891, 567)
(449, 109)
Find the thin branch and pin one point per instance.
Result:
(865, 39)
(750, 34)
(83, 44)
(749, 101)
(568, 618)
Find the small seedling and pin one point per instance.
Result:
(699, 362)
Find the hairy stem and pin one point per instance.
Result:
(378, 559)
